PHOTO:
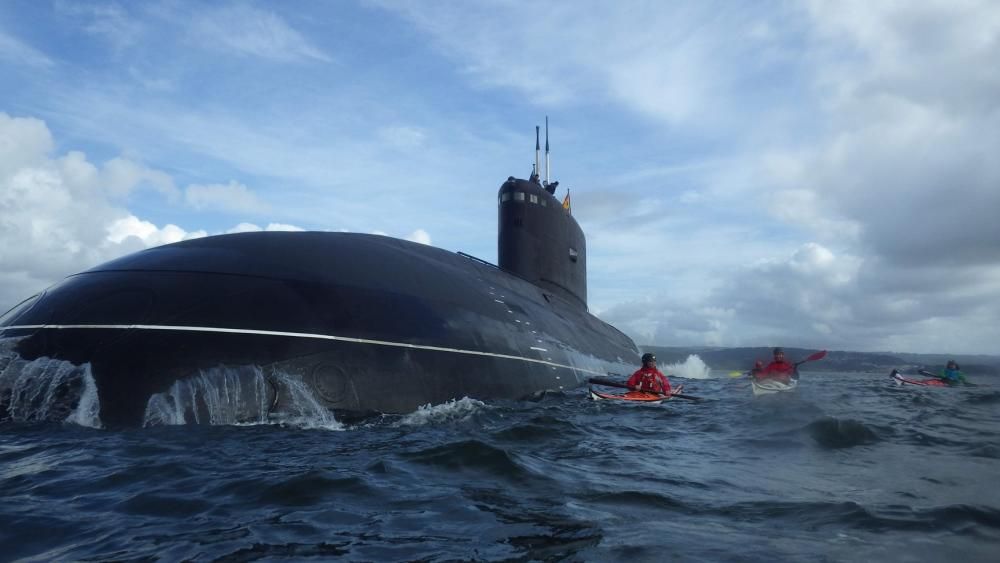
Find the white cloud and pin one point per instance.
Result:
(109, 21)
(680, 62)
(17, 52)
(899, 185)
(252, 228)
(149, 234)
(419, 235)
(249, 31)
(233, 197)
(62, 214)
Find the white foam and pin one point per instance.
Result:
(88, 410)
(42, 390)
(451, 411)
(691, 368)
(240, 395)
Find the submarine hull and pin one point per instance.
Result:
(365, 323)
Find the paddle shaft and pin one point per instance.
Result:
(610, 383)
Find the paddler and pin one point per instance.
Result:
(952, 375)
(778, 369)
(648, 378)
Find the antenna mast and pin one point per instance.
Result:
(546, 150)
(538, 149)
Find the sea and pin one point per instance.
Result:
(849, 467)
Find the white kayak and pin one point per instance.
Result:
(771, 386)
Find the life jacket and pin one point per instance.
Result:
(952, 376)
(778, 370)
(650, 380)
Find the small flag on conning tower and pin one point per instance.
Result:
(566, 203)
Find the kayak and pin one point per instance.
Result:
(632, 396)
(900, 381)
(771, 386)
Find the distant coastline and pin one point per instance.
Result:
(728, 359)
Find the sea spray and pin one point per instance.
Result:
(450, 411)
(691, 368)
(239, 395)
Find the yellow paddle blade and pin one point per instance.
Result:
(735, 373)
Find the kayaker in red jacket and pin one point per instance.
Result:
(648, 378)
(779, 369)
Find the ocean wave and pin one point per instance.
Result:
(472, 455)
(835, 433)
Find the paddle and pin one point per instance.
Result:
(812, 358)
(610, 383)
(817, 356)
(738, 373)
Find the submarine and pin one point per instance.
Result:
(352, 324)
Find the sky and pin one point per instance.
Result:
(820, 174)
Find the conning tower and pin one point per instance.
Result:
(538, 238)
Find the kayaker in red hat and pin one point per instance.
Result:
(779, 369)
(648, 378)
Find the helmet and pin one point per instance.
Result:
(647, 357)
(779, 350)
(952, 364)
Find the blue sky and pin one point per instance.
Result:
(813, 173)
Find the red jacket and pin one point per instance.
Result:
(650, 380)
(781, 371)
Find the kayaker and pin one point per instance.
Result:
(952, 375)
(779, 369)
(758, 367)
(648, 378)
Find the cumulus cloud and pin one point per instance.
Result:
(63, 214)
(65, 209)
(252, 228)
(147, 233)
(895, 184)
(419, 235)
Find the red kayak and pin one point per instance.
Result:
(900, 380)
(633, 396)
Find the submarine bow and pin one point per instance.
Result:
(357, 323)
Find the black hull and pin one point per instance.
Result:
(367, 323)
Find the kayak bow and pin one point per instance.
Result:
(772, 386)
(899, 380)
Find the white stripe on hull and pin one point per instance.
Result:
(224, 330)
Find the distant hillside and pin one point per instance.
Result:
(730, 359)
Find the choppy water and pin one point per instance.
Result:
(848, 469)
